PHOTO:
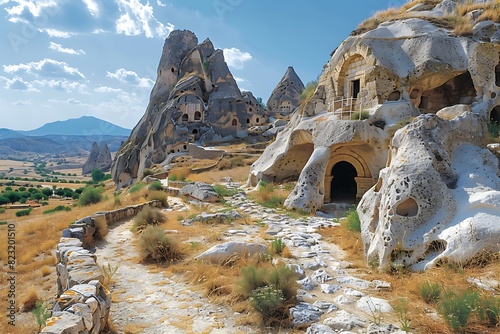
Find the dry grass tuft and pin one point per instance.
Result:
(158, 195)
(29, 299)
(101, 226)
(45, 271)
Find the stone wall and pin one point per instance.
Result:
(83, 303)
(199, 152)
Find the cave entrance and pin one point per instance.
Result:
(355, 88)
(344, 187)
(495, 115)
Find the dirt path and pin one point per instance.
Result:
(146, 301)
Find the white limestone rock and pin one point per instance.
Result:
(223, 252)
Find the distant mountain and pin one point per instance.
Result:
(7, 134)
(83, 126)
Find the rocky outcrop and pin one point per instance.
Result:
(375, 83)
(99, 158)
(437, 199)
(201, 192)
(285, 98)
(195, 98)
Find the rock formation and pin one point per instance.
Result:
(285, 98)
(418, 195)
(195, 98)
(99, 158)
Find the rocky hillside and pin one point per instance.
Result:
(195, 99)
(433, 65)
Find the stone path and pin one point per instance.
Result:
(333, 298)
(151, 303)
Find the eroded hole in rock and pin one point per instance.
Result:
(415, 93)
(394, 96)
(407, 208)
(495, 115)
(497, 74)
(344, 187)
(457, 90)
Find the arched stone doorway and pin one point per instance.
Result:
(353, 177)
(343, 185)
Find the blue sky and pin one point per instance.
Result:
(62, 59)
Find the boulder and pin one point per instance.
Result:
(223, 252)
(200, 191)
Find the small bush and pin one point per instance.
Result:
(147, 217)
(277, 245)
(22, 213)
(352, 220)
(108, 272)
(90, 195)
(155, 245)
(266, 299)
(252, 278)
(489, 310)
(136, 187)
(402, 308)
(457, 307)
(29, 299)
(158, 195)
(41, 314)
(494, 131)
(284, 279)
(101, 227)
(117, 200)
(57, 208)
(355, 116)
(147, 172)
(2, 210)
(223, 191)
(155, 185)
(430, 292)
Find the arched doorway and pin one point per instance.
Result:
(343, 186)
(495, 115)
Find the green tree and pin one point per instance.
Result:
(97, 176)
(47, 192)
(4, 200)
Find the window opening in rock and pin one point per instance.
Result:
(185, 118)
(248, 120)
(497, 75)
(394, 96)
(235, 122)
(495, 115)
(257, 120)
(355, 88)
(195, 131)
(344, 187)
(197, 116)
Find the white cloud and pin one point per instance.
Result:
(130, 77)
(161, 4)
(22, 102)
(63, 85)
(46, 68)
(18, 83)
(68, 101)
(105, 89)
(136, 19)
(57, 18)
(60, 48)
(236, 58)
(92, 7)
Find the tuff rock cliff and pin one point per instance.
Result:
(399, 121)
(99, 158)
(195, 99)
(285, 98)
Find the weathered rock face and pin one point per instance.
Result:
(99, 158)
(285, 98)
(195, 98)
(425, 193)
(437, 199)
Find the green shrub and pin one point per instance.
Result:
(147, 217)
(117, 200)
(223, 191)
(494, 130)
(3, 223)
(155, 185)
(489, 310)
(308, 91)
(2, 210)
(147, 172)
(457, 307)
(352, 220)
(158, 195)
(252, 278)
(90, 195)
(430, 292)
(266, 299)
(57, 208)
(402, 309)
(136, 187)
(284, 279)
(274, 202)
(41, 314)
(155, 245)
(356, 116)
(277, 245)
(21, 213)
